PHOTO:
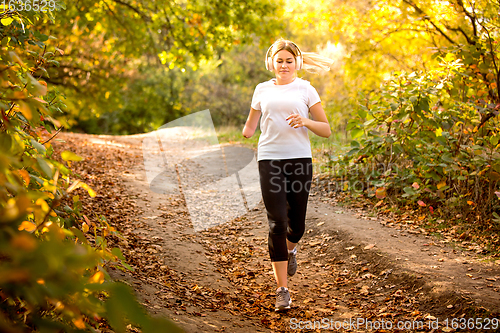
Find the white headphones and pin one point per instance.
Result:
(298, 60)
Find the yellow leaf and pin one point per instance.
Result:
(43, 204)
(380, 193)
(470, 203)
(25, 110)
(24, 241)
(24, 175)
(441, 184)
(85, 227)
(79, 323)
(41, 88)
(495, 175)
(439, 132)
(89, 190)
(7, 21)
(78, 184)
(97, 277)
(28, 226)
(40, 100)
(70, 156)
(18, 95)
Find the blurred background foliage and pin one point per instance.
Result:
(414, 89)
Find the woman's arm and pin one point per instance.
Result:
(318, 125)
(251, 124)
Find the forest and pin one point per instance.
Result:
(413, 100)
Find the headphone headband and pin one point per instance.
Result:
(298, 59)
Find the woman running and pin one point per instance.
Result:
(284, 152)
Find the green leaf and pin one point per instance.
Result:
(45, 167)
(79, 234)
(362, 113)
(356, 133)
(36, 88)
(118, 253)
(38, 146)
(442, 141)
(494, 139)
(448, 158)
(368, 122)
(5, 142)
(353, 151)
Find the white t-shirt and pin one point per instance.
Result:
(278, 140)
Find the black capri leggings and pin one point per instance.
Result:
(285, 186)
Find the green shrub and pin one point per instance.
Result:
(52, 279)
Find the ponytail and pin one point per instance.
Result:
(315, 63)
(312, 62)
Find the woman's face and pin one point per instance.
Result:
(284, 66)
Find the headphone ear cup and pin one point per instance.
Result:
(299, 63)
(269, 64)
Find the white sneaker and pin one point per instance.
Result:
(283, 299)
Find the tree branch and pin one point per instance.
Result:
(427, 18)
(494, 64)
(144, 17)
(471, 17)
(118, 20)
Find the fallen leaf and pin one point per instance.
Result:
(381, 193)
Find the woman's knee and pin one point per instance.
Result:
(295, 234)
(277, 228)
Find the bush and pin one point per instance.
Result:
(431, 140)
(53, 278)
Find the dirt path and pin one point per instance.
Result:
(355, 273)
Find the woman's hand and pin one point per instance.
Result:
(296, 120)
(318, 125)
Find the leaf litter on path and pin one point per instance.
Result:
(223, 275)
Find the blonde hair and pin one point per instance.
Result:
(312, 62)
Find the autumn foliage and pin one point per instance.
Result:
(52, 257)
(428, 140)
